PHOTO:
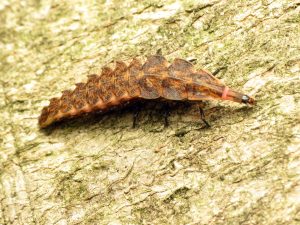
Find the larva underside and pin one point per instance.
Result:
(154, 79)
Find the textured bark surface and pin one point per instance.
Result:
(245, 169)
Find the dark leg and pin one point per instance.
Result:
(136, 113)
(166, 114)
(218, 70)
(159, 52)
(202, 116)
(193, 61)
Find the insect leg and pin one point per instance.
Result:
(192, 60)
(166, 114)
(137, 110)
(202, 116)
(159, 51)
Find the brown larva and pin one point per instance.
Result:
(155, 79)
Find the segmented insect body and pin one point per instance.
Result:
(154, 79)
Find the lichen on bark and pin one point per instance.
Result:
(98, 170)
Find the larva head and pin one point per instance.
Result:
(248, 100)
(44, 119)
(50, 113)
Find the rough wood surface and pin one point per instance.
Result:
(243, 170)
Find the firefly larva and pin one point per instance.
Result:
(155, 79)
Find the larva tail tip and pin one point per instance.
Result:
(43, 117)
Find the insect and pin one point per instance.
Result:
(155, 79)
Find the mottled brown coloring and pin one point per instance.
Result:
(155, 79)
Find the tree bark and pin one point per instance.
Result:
(98, 170)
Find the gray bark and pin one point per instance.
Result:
(98, 170)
